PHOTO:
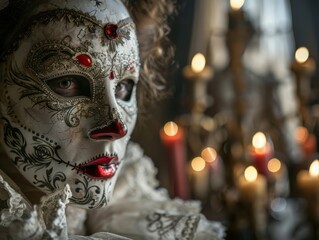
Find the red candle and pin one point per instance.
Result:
(307, 142)
(173, 140)
(261, 152)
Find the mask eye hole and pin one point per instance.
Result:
(70, 86)
(124, 90)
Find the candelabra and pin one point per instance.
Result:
(244, 183)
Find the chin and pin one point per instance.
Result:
(89, 193)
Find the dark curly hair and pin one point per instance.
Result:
(156, 52)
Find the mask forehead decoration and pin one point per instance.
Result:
(69, 104)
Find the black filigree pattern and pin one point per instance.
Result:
(89, 194)
(44, 152)
(97, 3)
(49, 182)
(17, 144)
(70, 111)
(172, 226)
(77, 18)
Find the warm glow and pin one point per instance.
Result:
(301, 134)
(250, 174)
(314, 168)
(274, 165)
(198, 63)
(198, 164)
(170, 129)
(209, 154)
(208, 124)
(259, 140)
(236, 4)
(302, 54)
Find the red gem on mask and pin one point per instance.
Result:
(112, 75)
(84, 59)
(110, 31)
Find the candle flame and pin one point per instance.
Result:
(314, 168)
(198, 164)
(209, 154)
(302, 55)
(170, 128)
(236, 4)
(301, 134)
(259, 140)
(250, 174)
(198, 63)
(274, 165)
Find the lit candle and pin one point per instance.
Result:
(198, 68)
(302, 55)
(306, 141)
(308, 184)
(198, 63)
(197, 74)
(275, 168)
(252, 189)
(215, 167)
(260, 151)
(303, 63)
(252, 186)
(236, 4)
(278, 173)
(199, 178)
(308, 181)
(210, 156)
(173, 140)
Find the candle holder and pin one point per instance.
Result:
(199, 126)
(303, 67)
(239, 33)
(198, 74)
(201, 133)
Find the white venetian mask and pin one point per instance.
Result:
(68, 104)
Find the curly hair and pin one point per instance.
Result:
(156, 51)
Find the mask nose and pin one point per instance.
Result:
(115, 130)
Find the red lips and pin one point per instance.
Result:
(100, 168)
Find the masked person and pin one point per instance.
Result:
(69, 72)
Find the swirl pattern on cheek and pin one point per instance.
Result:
(39, 160)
